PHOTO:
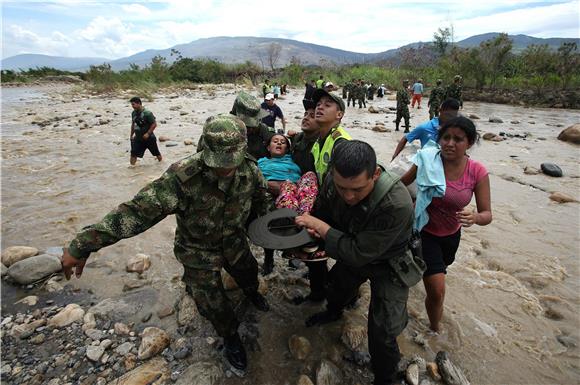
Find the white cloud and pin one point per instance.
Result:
(18, 40)
(136, 10)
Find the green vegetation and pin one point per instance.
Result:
(491, 65)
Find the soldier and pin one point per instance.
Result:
(345, 90)
(454, 90)
(364, 215)
(403, 106)
(212, 194)
(436, 96)
(371, 91)
(361, 92)
(142, 137)
(351, 92)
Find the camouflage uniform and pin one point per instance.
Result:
(211, 214)
(351, 93)
(402, 108)
(455, 91)
(345, 90)
(436, 97)
(361, 95)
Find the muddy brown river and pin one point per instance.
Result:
(512, 305)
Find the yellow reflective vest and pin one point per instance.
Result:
(322, 155)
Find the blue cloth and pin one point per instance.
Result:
(430, 180)
(417, 88)
(282, 168)
(424, 132)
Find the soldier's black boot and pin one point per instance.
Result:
(259, 301)
(396, 126)
(235, 352)
(406, 129)
(268, 262)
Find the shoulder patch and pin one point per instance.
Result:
(188, 167)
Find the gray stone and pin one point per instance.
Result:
(23, 331)
(568, 341)
(124, 348)
(412, 374)
(154, 341)
(138, 263)
(299, 346)
(495, 119)
(328, 374)
(571, 134)
(34, 268)
(55, 250)
(3, 270)
(94, 353)
(71, 313)
(551, 169)
(201, 373)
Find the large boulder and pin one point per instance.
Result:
(32, 269)
(14, 254)
(571, 134)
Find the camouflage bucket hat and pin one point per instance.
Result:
(225, 141)
(319, 93)
(247, 108)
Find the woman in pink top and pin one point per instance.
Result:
(464, 177)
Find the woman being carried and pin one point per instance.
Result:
(285, 182)
(440, 236)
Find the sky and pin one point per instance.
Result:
(116, 29)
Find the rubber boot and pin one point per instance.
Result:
(235, 352)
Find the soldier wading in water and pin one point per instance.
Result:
(212, 194)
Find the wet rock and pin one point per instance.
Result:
(131, 284)
(146, 317)
(3, 270)
(420, 361)
(328, 374)
(560, 197)
(127, 306)
(154, 340)
(412, 374)
(71, 313)
(551, 169)
(354, 333)
(153, 372)
(106, 344)
(426, 381)
(373, 110)
(125, 348)
(451, 374)
(32, 269)
(495, 119)
(94, 353)
(571, 134)
(473, 116)
(171, 144)
(299, 346)
(54, 250)
(23, 331)
(37, 339)
(378, 128)
(304, 380)
(359, 358)
(138, 263)
(53, 285)
(568, 341)
(31, 300)
(95, 334)
(182, 349)
(166, 311)
(187, 311)
(188, 142)
(515, 122)
(163, 138)
(89, 321)
(121, 329)
(201, 373)
(14, 254)
(529, 170)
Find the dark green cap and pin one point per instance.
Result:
(247, 108)
(225, 140)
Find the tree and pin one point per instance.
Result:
(494, 54)
(442, 40)
(273, 54)
(568, 62)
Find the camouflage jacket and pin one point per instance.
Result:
(402, 98)
(211, 213)
(454, 91)
(436, 96)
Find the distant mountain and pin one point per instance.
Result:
(519, 42)
(26, 61)
(255, 49)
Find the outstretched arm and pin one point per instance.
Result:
(402, 143)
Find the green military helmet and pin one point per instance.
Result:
(225, 141)
(247, 108)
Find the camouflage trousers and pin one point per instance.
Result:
(206, 288)
(348, 100)
(402, 113)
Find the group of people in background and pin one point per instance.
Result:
(361, 213)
